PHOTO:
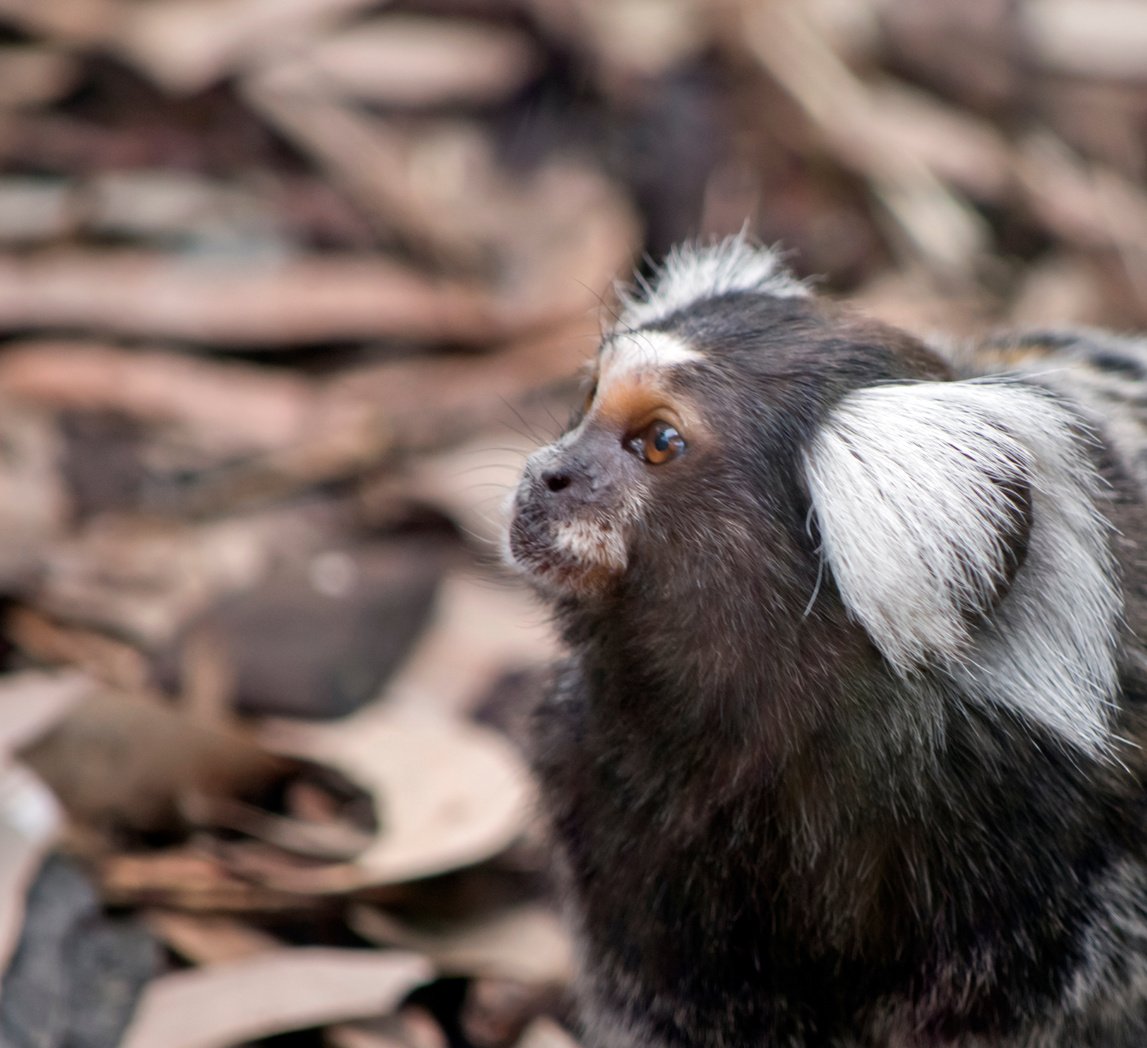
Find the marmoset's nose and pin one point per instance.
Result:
(571, 476)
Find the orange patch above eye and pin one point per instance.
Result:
(628, 400)
(635, 405)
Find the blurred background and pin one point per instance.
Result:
(288, 289)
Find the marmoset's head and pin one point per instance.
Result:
(752, 461)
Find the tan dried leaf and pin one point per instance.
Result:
(291, 989)
(545, 1033)
(404, 60)
(230, 407)
(187, 44)
(292, 301)
(526, 943)
(33, 702)
(448, 794)
(187, 879)
(209, 938)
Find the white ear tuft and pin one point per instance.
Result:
(913, 486)
(694, 272)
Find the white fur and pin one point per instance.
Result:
(695, 272)
(641, 352)
(585, 543)
(901, 478)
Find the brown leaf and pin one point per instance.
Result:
(209, 938)
(496, 1011)
(405, 60)
(357, 1035)
(630, 39)
(372, 162)
(33, 702)
(1086, 38)
(123, 759)
(412, 1026)
(319, 634)
(144, 578)
(186, 44)
(35, 76)
(188, 879)
(449, 794)
(471, 483)
(938, 226)
(329, 841)
(51, 643)
(33, 503)
(436, 401)
(481, 629)
(68, 21)
(545, 1033)
(271, 993)
(291, 302)
(223, 405)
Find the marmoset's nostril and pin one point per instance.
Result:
(555, 480)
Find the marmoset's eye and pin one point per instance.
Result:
(658, 443)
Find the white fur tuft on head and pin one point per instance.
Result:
(912, 486)
(695, 272)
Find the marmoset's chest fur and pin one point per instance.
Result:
(846, 749)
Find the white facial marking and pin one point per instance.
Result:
(586, 543)
(695, 272)
(642, 353)
(906, 485)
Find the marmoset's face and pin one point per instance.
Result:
(581, 498)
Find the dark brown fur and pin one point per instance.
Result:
(768, 836)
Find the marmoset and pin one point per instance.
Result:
(847, 749)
